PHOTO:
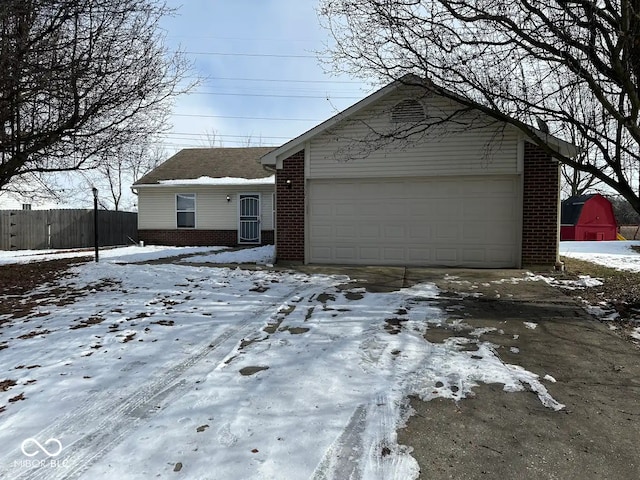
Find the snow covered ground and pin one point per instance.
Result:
(120, 254)
(260, 255)
(614, 254)
(225, 373)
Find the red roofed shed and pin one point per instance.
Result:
(588, 217)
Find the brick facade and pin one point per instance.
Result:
(540, 208)
(290, 219)
(191, 238)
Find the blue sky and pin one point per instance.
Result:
(259, 61)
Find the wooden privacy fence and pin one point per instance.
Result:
(630, 232)
(42, 229)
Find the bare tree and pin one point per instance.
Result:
(576, 181)
(625, 215)
(210, 139)
(79, 79)
(574, 65)
(128, 163)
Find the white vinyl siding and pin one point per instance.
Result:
(462, 221)
(485, 148)
(157, 206)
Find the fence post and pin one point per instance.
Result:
(95, 221)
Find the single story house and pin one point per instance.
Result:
(410, 177)
(588, 217)
(207, 196)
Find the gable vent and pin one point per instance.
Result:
(408, 111)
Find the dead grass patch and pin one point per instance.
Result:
(247, 371)
(18, 280)
(17, 398)
(94, 320)
(34, 333)
(620, 292)
(620, 289)
(165, 323)
(6, 384)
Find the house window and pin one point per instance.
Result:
(408, 111)
(186, 210)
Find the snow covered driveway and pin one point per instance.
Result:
(225, 374)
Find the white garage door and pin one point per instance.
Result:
(468, 221)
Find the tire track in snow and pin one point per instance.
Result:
(342, 460)
(384, 458)
(103, 421)
(366, 448)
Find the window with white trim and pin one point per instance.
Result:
(186, 210)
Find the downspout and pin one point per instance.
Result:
(274, 170)
(559, 266)
(135, 192)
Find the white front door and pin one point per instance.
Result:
(249, 218)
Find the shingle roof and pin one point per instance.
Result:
(572, 208)
(192, 163)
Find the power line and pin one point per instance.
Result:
(275, 80)
(266, 55)
(226, 142)
(284, 80)
(187, 134)
(248, 118)
(212, 37)
(324, 97)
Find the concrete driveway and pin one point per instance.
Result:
(496, 434)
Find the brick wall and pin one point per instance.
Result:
(540, 208)
(290, 209)
(190, 238)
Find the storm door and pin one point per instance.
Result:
(249, 218)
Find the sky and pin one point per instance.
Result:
(262, 82)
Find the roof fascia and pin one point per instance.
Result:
(199, 185)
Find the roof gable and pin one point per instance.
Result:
(572, 208)
(599, 210)
(276, 156)
(194, 163)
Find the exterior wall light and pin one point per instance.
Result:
(228, 198)
(288, 182)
